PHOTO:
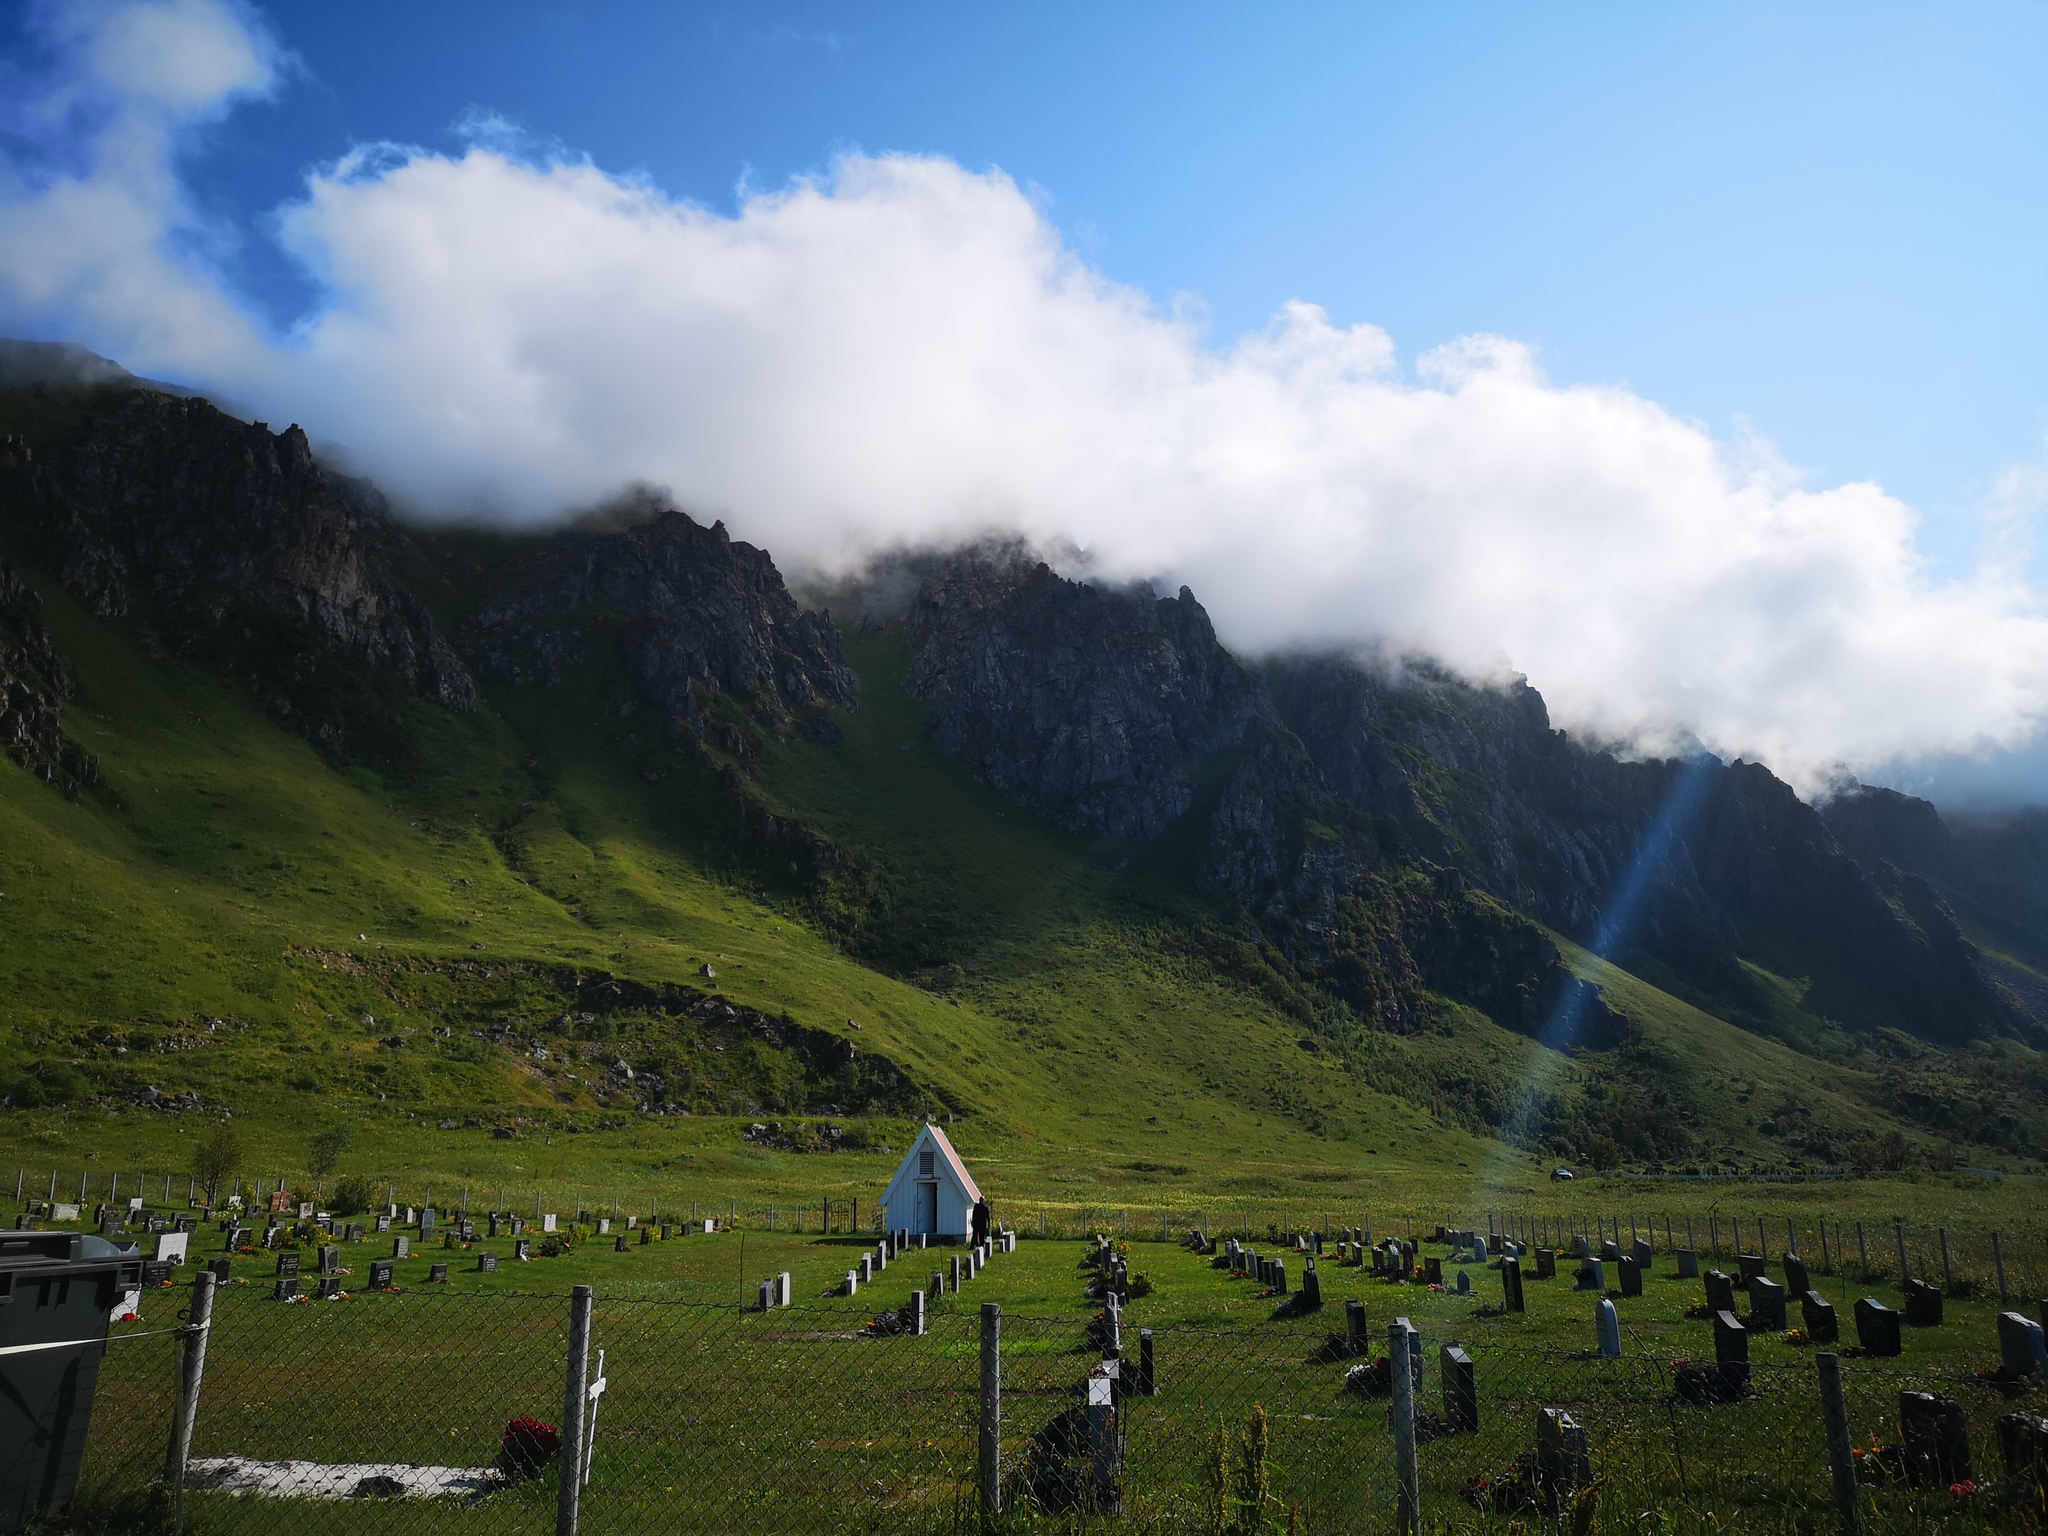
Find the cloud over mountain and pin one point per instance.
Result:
(904, 351)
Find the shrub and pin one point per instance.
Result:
(353, 1194)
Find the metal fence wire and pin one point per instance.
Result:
(429, 1410)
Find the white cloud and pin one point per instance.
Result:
(906, 351)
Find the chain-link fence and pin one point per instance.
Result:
(435, 1411)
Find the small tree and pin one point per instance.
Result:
(217, 1159)
(328, 1147)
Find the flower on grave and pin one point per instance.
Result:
(1963, 1489)
(1795, 1336)
(526, 1447)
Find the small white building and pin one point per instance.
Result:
(932, 1192)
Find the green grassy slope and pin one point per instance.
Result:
(234, 916)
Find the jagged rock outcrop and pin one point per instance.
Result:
(34, 683)
(1694, 867)
(701, 615)
(225, 538)
(1092, 706)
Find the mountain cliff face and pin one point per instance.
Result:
(34, 683)
(701, 616)
(1092, 707)
(225, 538)
(1696, 867)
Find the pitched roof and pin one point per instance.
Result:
(953, 1161)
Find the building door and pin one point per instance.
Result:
(928, 1208)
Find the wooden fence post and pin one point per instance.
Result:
(1835, 1412)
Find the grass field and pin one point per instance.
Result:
(720, 1417)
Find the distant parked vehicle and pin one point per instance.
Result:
(1558, 1175)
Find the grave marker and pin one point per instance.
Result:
(287, 1264)
(522, 1249)
(1877, 1327)
(1720, 1291)
(286, 1289)
(1631, 1277)
(2019, 1346)
(437, 1274)
(1607, 1325)
(1688, 1263)
(1461, 1389)
(1796, 1278)
(1937, 1441)
(401, 1247)
(171, 1247)
(380, 1274)
(330, 1288)
(1766, 1305)
(1546, 1263)
(329, 1259)
(1923, 1304)
(1731, 1353)
(486, 1263)
(1511, 1285)
(1817, 1317)
(1561, 1460)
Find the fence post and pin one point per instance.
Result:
(575, 1396)
(1862, 1253)
(990, 1464)
(1407, 1479)
(1948, 1274)
(1899, 1232)
(1836, 1413)
(198, 1323)
(1998, 1258)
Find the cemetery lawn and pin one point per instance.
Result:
(311, 945)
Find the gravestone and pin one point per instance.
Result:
(426, 1223)
(1645, 1255)
(1561, 1460)
(187, 1224)
(1688, 1263)
(1796, 1278)
(1592, 1276)
(238, 1237)
(666, 1232)
(352, 1232)
(171, 1247)
(1464, 1282)
(380, 1274)
(1750, 1265)
(491, 1229)
(782, 1289)
(2023, 1442)
(1607, 1328)
(222, 1269)
(1279, 1281)
(1546, 1263)
(287, 1263)
(271, 1237)
(853, 1282)
(1937, 1442)
(953, 1274)
(1581, 1249)
(1731, 1353)
(1720, 1291)
(1631, 1277)
(1511, 1286)
(1817, 1317)
(305, 1210)
(1433, 1271)
(867, 1269)
(765, 1296)
(330, 1288)
(486, 1263)
(1877, 1327)
(383, 1222)
(329, 1259)
(622, 1244)
(1355, 1337)
(646, 1236)
(437, 1274)
(286, 1289)
(1923, 1304)
(1311, 1287)
(1766, 1305)
(1461, 1389)
(522, 1249)
(401, 1247)
(2020, 1348)
(547, 1222)
(917, 1313)
(1610, 1250)
(604, 1226)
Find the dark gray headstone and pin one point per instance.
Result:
(1817, 1317)
(522, 1249)
(1561, 1460)
(2019, 1346)
(1546, 1263)
(2023, 1442)
(222, 1268)
(1923, 1304)
(487, 1263)
(1461, 1389)
(380, 1274)
(1796, 1279)
(1311, 1287)
(1750, 1265)
(622, 1244)
(383, 1223)
(1433, 1271)
(1688, 1263)
(1631, 1277)
(330, 1259)
(1766, 1305)
(1720, 1291)
(1937, 1442)
(330, 1288)
(436, 1273)
(1877, 1327)
(401, 1247)
(287, 1264)
(1731, 1352)
(1511, 1285)
(285, 1289)
(1464, 1282)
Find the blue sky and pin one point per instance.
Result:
(1757, 455)
(1827, 219)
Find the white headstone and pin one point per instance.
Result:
(171, 1246)
(547, 1222)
